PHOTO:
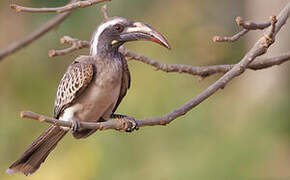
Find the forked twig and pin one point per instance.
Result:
(68, 7)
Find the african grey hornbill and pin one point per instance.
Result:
(91, 89)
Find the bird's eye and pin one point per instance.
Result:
(118, 27)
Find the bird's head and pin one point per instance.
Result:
(114, 32)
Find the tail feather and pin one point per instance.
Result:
(37, 152)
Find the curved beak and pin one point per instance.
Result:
(141, 31)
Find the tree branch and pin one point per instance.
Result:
(231, 71)
(51, 24)
(68, 7)
(251, 25)
(17, 45)
(260, 48)
(232, 38)
(105, 11)
(74, 43)
(119, 124)
(202, 71)
(205, 71)
(246, 25)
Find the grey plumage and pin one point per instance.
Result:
(77, 77)
(91, 89)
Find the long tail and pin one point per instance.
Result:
(37, 152)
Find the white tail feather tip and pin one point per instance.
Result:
(10, 171)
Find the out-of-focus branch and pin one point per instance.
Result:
(51, 24)
(75, 44)
(68, 7)
(246, 25)
(17, 45)
(105, 11)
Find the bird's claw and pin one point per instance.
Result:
(75, 125)
(132, 126)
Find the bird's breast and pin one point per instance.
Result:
(108, 74)
(100, 96)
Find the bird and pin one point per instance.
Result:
(91, 89)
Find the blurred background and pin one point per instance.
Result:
(241, 132)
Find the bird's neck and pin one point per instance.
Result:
(107, 54)
(101, 45)
(104, 51)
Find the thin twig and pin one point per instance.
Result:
(202, 71)
(68, 7)
(232, 38)
(15, 46)
(251, 25)
(75, 45)
(205, 71)
(51, 24)
(247, 26)
(105, 12)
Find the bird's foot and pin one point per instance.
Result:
(133, 126)
(75, 125)
(130, 124)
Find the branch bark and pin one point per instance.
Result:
(120, 125)
(203, 71)
(74, 43)
(246, 25)
(15, 46)
(51, 24)
(258, 49)
(68, 7)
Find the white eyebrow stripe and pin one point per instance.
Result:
(98, 32)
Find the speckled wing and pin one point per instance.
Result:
(76, 79)
(126, 81)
